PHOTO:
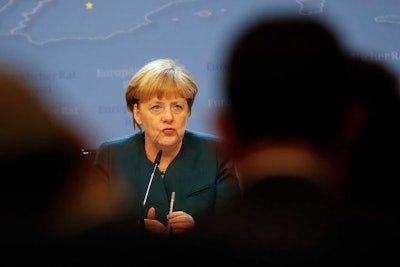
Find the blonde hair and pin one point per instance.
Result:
(160, 77)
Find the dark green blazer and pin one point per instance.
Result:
(202, 177)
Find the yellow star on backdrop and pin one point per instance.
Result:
(89, 5)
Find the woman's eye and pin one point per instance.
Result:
(177, 107)
(156, 107)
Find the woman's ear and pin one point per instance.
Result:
(136, 114)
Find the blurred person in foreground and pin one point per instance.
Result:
(48, 193)
(165, 157)
(311, 104)
(374, 168)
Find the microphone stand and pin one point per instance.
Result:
(156, 163)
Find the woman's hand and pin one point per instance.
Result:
(180, 222)
(152, 225)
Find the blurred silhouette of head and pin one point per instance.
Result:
(288, 78)
(38, 153)
(290, 75)
(374, 167)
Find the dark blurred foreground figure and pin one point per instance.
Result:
(48, 193)
(313, 106)
(374, 169)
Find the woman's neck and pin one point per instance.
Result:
(168, 155)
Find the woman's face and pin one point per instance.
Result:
(163, 120)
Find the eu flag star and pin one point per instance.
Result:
(89, 5)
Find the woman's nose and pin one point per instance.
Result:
(167, 114)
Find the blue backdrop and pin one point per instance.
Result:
(81, 54)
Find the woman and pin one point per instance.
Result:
(192, 165)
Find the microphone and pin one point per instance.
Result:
(156, 163)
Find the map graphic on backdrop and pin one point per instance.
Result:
(82, 54)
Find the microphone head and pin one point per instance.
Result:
(158, 157)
